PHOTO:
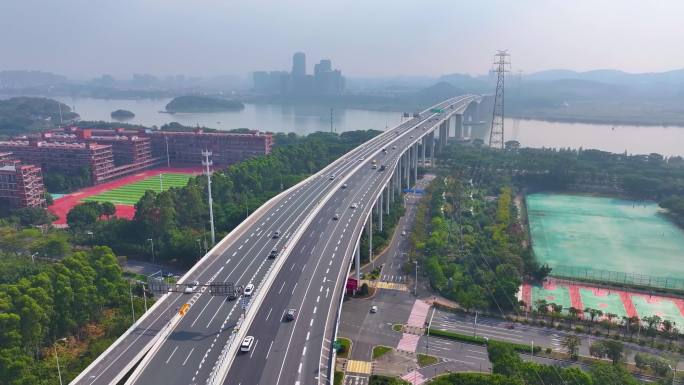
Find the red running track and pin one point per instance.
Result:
(61, 206)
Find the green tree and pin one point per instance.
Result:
(82, 217)
(572, 343)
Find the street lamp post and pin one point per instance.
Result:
(415, 284)
(130, 293)
(152, 244)
(199, 247)
(59, 371)
(674, 373)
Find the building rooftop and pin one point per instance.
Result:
(64, 145)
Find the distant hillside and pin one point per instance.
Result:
(193, 103)
(23, 114)
(27, 79)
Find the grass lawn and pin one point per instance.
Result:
(379, 350)
(345, 347)
(339, 377)
(425, 360)
(398, 327)
(130, 194)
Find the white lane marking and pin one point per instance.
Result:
(304, 351)
(253, 349)
(281, 288)
(307, 335)
(174, 351)
(269, 349)
(189, 354)
(299, 371)
(235, 253)
(315, 308)
(240, 248)
(311, 323)
(269, 313)
(201, 311)
(292, 268)
(294, 287)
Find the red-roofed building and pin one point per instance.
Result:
(21, 185)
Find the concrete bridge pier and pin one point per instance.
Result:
(387, 199)
(379, 210)
(423, 143)
(357, 261)
(407, 165)
(432, 149)
(415, 164)
(459, 126)
(369, 230)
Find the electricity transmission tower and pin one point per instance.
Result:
(208, 163)
(502, 64)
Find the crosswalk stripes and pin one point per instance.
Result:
(391, 286)
(363, 367)
(351, 379)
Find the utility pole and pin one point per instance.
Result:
(415, 284)
(59, 371)
(502, 64)
(331, 120)
(161, 183)
(168, 160)
(152, 244)
(207, 163)
(130, 293)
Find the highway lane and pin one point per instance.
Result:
(293, 352)
(311, 259)
(110, 366)
(177, 367)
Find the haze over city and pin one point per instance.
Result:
(83, 39)
(351, 192)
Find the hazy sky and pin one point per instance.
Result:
(85, 38)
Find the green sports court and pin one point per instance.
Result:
(130, 194)
(606, 239)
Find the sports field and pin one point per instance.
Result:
(130, 194)
(619, 302)
(606, 239)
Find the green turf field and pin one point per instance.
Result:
(585, 235)
(131, 193)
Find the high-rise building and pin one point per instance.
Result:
(298, 65)
(324, 81)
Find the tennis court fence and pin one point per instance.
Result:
(618, 277)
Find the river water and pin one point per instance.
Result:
(307, 119)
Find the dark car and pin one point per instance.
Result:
(274, 253)
(291, 315)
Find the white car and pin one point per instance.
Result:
(374, 309)
(336, 217)
(247, 344)
(353, 206)
(249, 289)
